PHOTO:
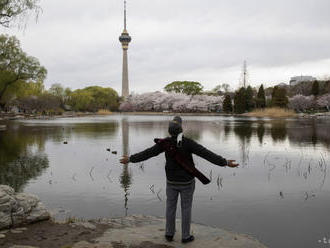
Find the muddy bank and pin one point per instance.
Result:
(49, 234)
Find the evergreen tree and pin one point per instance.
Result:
(261, 99)
(240, 101)
(227, 105)
(250, 103)
(279, 97)
(315, 88)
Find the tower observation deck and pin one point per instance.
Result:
(125, 39)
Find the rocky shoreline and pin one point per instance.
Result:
(25, 222)
(17, 209)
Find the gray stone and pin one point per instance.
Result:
(18, 216)
(5, 220)
(139, 230)
(87, 225)
(6, 207)
(39, 213)
(18, 230)
(6, 189)
(4, 198)
(2, 236)
(19, 208)
(21, 229)
(27, 201)
(22, 246)
(85, 244)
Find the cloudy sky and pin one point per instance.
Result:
(205, 41)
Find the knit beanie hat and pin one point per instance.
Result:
(175, 126)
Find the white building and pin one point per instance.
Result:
(298, 79)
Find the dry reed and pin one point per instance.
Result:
(272, 112)
(104, 112)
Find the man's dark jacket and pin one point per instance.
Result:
(174, 172)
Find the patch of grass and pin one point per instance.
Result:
(272, 112)
(104, 112)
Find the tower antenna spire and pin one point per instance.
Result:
(125, 15)
(125, 39)
(244, 76)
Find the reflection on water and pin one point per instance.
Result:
(22, 149)
(243, 131)
(278, 130)
(281, 186)
(21, 157)
(125, 177)
(19, 171)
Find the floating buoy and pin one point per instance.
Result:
(65, 142)
(114, 152)
(108, 149)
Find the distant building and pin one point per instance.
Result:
(298, 79)
(282, 85)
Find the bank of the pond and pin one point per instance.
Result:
(132, 231)
(267, 113)
(18, 211)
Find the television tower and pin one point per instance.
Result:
(244, 76)
(125, 39)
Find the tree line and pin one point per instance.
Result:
(22, 87)
(188, 96)
(32, 98)
(246, 99)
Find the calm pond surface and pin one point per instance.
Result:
(280, 194)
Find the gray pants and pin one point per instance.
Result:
(186, 195)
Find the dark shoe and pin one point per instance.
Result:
(169, 238)
(187, 240)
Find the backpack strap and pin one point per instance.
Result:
(182, 160)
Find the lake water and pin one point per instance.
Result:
(280, 194)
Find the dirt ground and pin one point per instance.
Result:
(48, 234)
(52, 235)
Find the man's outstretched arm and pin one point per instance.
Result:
(203, 152)
(141, 156)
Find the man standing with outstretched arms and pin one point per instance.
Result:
(180, 173)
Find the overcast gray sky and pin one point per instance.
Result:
(205, 41)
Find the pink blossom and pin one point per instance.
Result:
(159, 101)
(301, 103)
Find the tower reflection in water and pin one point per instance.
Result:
(125, 177)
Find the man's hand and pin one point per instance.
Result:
(231, 163)
(124, 159)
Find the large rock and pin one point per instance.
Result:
(5, 220)
(20, 208)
